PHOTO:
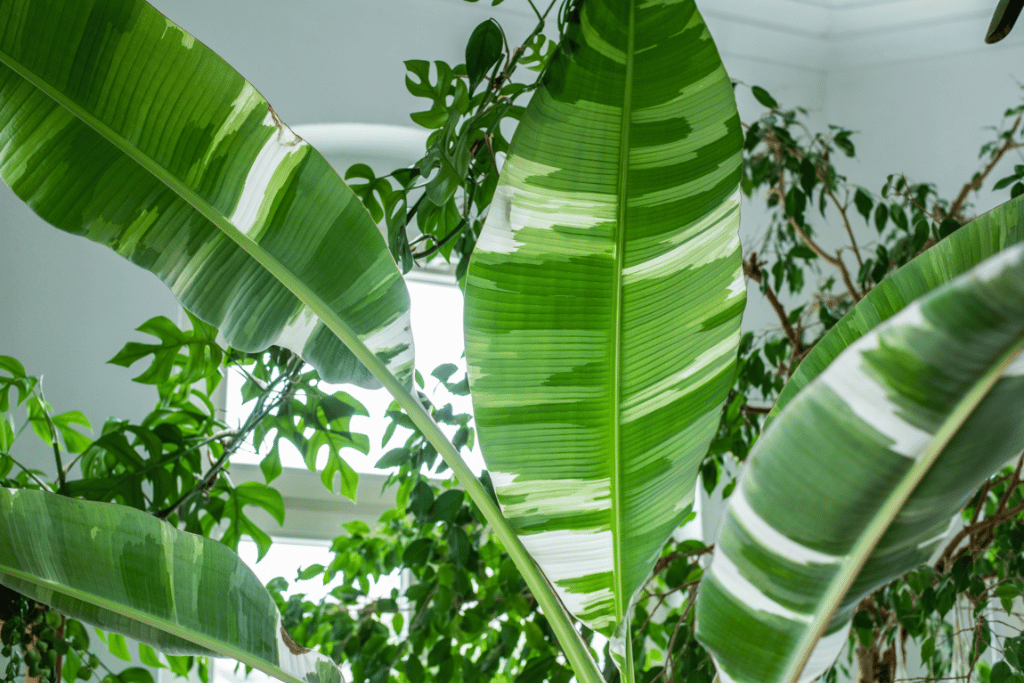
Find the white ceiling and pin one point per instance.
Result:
(826, 35)
(836, 34)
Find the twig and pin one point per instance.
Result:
(976, 182)
(846, 222)
(832, 260)
(752, 269)
(757, 410)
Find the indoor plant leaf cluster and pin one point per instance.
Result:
(603, 316)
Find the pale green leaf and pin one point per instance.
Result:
(604, 297)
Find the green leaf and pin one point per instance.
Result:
(864, 203)
(762, 96)
(967, 247)
(149, 657)
(212, 193)
(596, 390)
(118, 647)
(881, 217)
(1003, 20)
(129, 573)
(238, 497)
(483, 51)
(860, 476)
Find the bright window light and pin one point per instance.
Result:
(437, 331)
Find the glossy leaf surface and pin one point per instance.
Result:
(117, 125)
(128, 572)
(858, 479)
(604, 297)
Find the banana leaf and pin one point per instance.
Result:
(125, 571)
(117, 125)
(604, 297)
(856, 481)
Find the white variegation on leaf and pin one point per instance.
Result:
(604, 297)
(125, 571)
(119, 126)
(856, 481)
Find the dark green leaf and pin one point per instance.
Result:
(762, 96)
(483, 51)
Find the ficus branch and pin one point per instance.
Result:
(752, 269)
(976, 182)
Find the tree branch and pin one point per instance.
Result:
(976, 182)
(752, 269)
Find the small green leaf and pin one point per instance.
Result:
(417, 553)
(948, 227)
(447, 506)
(483, 51)
(414, 670)
(149, 657)
(864, 203)
(881, 217)
(357, 527)
(118, 646)
(762, 96)
(310, 572)
(1000, 672)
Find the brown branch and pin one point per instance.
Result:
(976, 182)
(752, 269)
(831, 260)
(757, 410)
(985, 526)
(776, 146)
(846, 222)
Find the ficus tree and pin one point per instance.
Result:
(603, 297)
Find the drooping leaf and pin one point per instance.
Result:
(967, 247)
(857, 480)
(604, 295)
(119, 126)
(128, 572)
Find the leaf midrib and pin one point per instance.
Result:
(621, 598)
(220, 646)
(301, 291)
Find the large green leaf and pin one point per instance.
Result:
(128, 572)
(983, 237)
(858, 479)
(604, 297)
(117, 125)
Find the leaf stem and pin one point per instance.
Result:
(575, 649)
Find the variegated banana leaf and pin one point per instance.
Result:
(127, 572)
(857, 480)
(604, 298)
(983, 237)
(117, 125)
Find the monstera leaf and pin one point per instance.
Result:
(856, 481)
(119, 126)
(604, 297)
(125, 571)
